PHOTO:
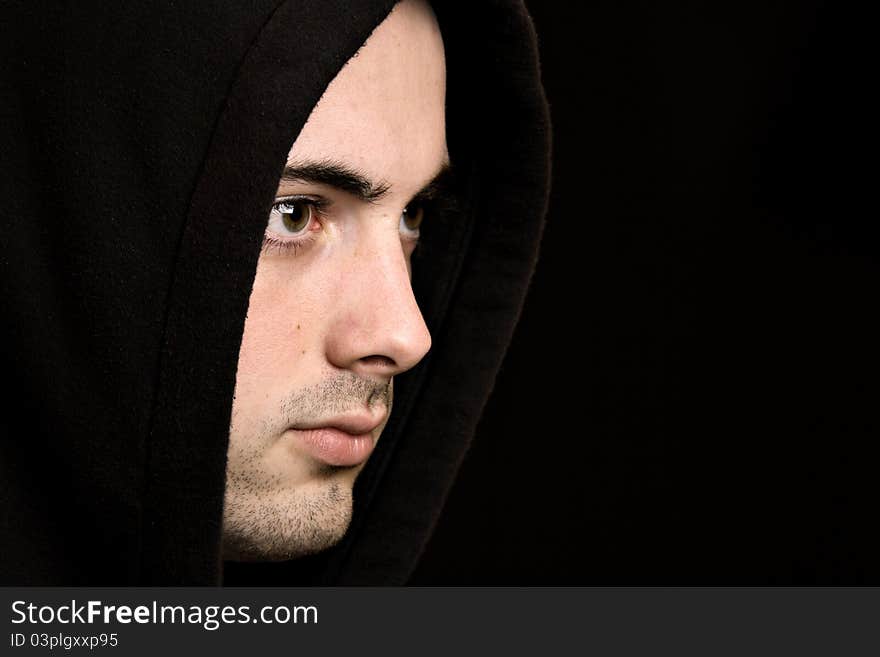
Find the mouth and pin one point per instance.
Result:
(345, 441)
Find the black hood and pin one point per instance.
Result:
(142, 145)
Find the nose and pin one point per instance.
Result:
(376, 329)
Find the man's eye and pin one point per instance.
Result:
(411, 219)
(294, 215)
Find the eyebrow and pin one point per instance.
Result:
(357, 183)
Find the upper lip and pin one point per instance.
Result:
(355, 425)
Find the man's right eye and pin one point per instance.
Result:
(293, 224)
(293, 215)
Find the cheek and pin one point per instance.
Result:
(278, 327)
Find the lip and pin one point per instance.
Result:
(341, 442)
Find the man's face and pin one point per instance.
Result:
(332, 316)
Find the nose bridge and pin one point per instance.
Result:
(382, 261)
(376, 313)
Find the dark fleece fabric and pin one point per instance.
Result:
(141, 144)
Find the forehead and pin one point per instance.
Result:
(384, 113)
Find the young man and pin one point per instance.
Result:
(332, 315)
(228, 241)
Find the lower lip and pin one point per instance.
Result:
(336, 447)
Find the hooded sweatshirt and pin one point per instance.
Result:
(142, 146)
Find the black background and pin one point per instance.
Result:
(691, 396)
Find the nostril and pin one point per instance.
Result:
(378, 361)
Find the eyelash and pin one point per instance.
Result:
(293, 245)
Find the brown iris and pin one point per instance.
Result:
(295, 215)
(412, 217)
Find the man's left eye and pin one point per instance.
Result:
(411, 219)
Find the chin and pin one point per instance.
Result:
(286, 526)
